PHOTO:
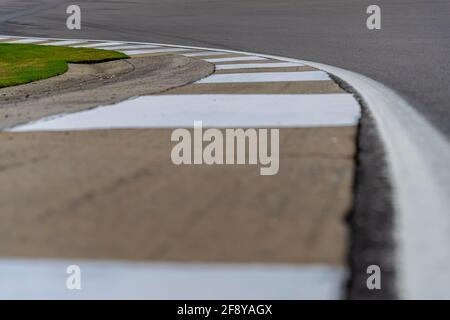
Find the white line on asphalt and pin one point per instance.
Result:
(46, 279)
(130, 47)
(24, 41)
(258, 65)
(247, 58)
(144, 51)
(63, 43)
(204, 54)
(100, 44)
(215, 110)
(266, 77)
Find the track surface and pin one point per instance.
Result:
(409, 54)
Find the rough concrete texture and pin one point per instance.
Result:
(116, 194)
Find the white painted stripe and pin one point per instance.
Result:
(174, 111)
(63, 43)
(131, 47)
(232, 59)
(266, 77)
(258, 65)
(46, 279)
(204, 53)
(33, 40)
(90, 44)
(143, 51)
(100, 44)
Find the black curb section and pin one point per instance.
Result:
(371, 219)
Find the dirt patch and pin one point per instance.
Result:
(86, 86)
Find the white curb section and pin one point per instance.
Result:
(214, 110)
(105, 279)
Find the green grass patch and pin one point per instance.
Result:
(23, 63)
